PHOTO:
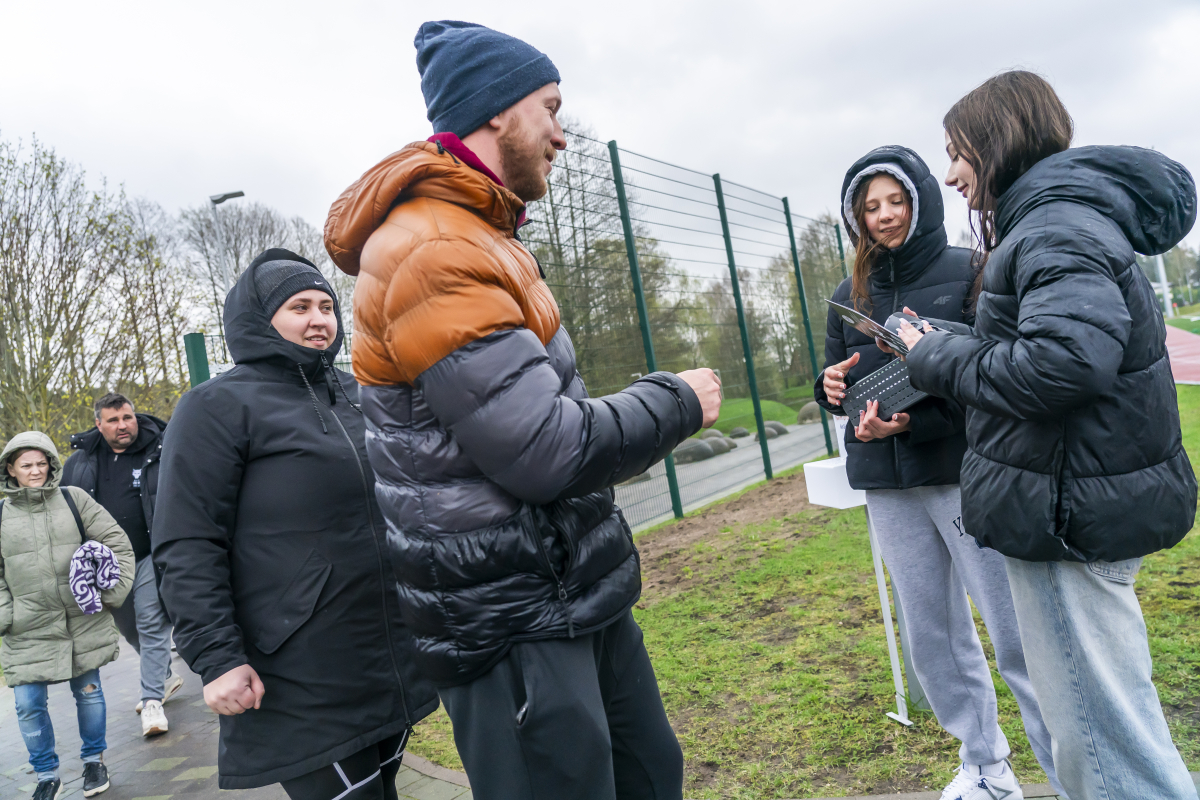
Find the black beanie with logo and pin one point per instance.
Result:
(276, 281)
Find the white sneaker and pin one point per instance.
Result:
(969, 784)
(154, 720)
(174, 684)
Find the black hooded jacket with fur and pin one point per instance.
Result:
(931, 278)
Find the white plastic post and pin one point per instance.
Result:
(901, 712)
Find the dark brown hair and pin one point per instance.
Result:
(113, 400)
(866, 250)
(1002, 128)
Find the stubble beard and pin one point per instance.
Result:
(522, 158)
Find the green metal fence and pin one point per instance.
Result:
(657, 266)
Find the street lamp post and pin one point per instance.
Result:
(216, 200)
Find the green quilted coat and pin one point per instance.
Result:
(46, 636)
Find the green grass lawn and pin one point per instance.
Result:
(738, 412)
(773, 666)
(1185, 324)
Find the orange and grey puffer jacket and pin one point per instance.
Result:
(493, 467)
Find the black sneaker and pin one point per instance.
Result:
(47, 790)
(95, 778)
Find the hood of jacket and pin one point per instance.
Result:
(422, 169)
(150, 430)
(32, 440)
(927, 231)
(250, 336)
(1151, 198)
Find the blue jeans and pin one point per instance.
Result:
(38, 733)
(1089, 661)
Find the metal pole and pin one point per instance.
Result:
(812, 348)
(635, 273)
(225, 274)
(197, 358)
(1168, 310)
(901, 712)
(841, 250)
(741, 315)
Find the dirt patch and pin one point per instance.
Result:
(669, 552)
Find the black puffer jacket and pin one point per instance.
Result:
(496, 472)
(272, 549)
(931, 278)
(1072, 423)
(82, 468)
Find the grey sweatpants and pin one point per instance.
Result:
(143, 622)
(934, 566)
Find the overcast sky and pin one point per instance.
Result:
(291, 101)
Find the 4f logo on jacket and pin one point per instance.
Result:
(941, 301)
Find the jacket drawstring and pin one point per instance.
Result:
(338, 381)
(313, 395)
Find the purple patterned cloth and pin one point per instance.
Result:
(93, 569)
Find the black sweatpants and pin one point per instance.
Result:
(369, 774)
(568, 718)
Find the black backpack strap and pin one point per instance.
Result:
(75, 513)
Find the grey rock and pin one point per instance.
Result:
(718, 445)
(778, 427)
(738, 433)
(732, 444)
(711, 433)
(771, 433)
(809, 412)
(693, 450)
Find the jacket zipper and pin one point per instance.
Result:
(562, 590)
(387, 628)
(895, 308)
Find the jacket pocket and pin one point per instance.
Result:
(272, 625)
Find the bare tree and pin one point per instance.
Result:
(246, 230)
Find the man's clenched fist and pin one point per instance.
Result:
(236, 691)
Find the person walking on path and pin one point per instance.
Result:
(116, 462)
(495, 470)
(909, 466)
(48, 637)
(272, 546)
(1075, 467)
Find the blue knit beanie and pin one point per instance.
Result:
(470, 73)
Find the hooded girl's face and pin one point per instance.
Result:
(887, 211)
(307, 318)
(30, 468)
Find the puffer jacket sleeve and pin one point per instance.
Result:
(835, 353)
(201, 466)
(6, 603)
(504, 404)
(101, 527)
(1072, 330)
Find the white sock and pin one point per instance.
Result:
(999, 769)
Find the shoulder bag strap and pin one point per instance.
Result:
(75, 513)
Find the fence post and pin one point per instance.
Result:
(841, 250)
(197, 358)
(635, 274)
(741, 315)
(812, 348)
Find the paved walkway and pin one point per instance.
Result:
(179, 764)
(1184, 349)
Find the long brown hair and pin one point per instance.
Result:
(1002, 128)
(866, 249)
